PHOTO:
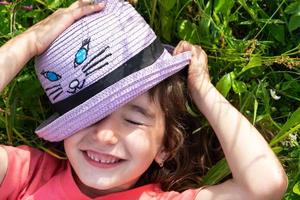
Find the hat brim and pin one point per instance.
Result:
(58, 127)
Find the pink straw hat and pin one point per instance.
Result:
(97, 65)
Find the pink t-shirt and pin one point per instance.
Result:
(33, 174)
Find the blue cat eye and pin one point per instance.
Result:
(81, 56)
(51, 76)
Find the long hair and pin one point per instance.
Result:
(190, 154)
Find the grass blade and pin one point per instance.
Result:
(218, 172)
(292, 125)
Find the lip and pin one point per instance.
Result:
(99, 164)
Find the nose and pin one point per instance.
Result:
(106, 132)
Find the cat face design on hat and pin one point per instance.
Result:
(95, 63)
(92, 48)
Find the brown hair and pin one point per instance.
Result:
(190, 154)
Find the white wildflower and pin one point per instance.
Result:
(273, 94)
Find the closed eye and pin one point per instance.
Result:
(134, 122)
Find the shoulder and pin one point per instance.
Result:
(25, 156)
(26, 167)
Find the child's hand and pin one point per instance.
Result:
(198, 75)
(46, 31)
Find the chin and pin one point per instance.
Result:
(103, 185)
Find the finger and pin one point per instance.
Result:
(179, 47)
(182, 47)
(175, 52)
(80, 3)
(186, 46)
(86, 9)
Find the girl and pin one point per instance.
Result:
(120, 111)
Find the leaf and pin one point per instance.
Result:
(224, 84)
(205, 28)
(293, 8)
(255, 107)
(288, 85)
(250, 11)
(277, 149)
(218, 5)
(239, 86)
(263, 94)
(222, 6)
(288, 77)
(294, 22)
(294, 120)
(217, 173)
(255, 61)
(291, 125)
(187, 31)
(166, 26)
(296, 188)
(54, 4)
(41, 2)
(167, 4)
(183, 28)
(2, 122)
(277, 31)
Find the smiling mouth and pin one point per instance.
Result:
(103, 159)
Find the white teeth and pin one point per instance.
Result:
(110, 161)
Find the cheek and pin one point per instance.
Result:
(69, 147)
(144, 144)
(139, 143)
(72, 142)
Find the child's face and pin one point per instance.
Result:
(111, 155)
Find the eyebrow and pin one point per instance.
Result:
(142, 111)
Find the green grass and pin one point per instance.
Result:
(253, 48)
